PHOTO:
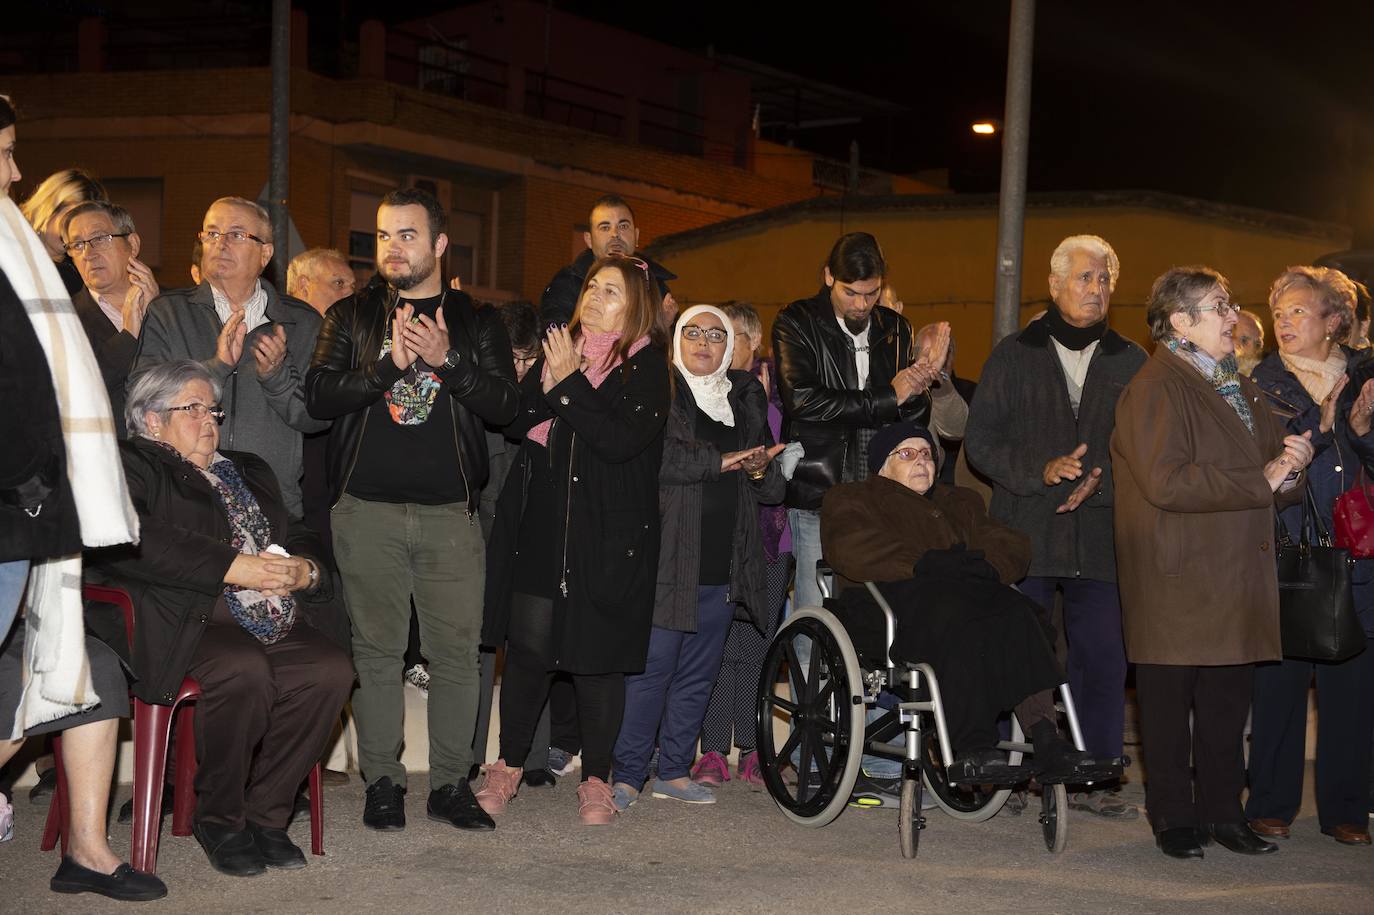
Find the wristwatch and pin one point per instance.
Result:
(451, 359)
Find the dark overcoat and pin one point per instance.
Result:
(606, 445)
(687, 463)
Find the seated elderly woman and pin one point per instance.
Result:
(946, 568)
(215, 598)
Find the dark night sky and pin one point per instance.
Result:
(1261, 103)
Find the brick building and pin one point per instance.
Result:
(491, 111)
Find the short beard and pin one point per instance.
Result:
(413, 278)
(857, 327)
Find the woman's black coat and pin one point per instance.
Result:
(176, 572)
(606, 445)
(687, 463)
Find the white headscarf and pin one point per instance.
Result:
(711, 391)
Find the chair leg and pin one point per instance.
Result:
(152, 727)
(184, 786)
(316, 810)
(57, 823)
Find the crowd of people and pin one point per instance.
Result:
(314, 494)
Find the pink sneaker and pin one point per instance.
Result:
(595, 803)
(749, 771)
(711, 769)
(500, 783)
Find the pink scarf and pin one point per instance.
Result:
(596, 356)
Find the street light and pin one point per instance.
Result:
(986, 128)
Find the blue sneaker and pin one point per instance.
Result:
(692, 793)
(623, 796)
(560, 761)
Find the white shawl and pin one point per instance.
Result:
(711, 392)
(57, 679)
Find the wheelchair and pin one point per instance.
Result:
(810, 770)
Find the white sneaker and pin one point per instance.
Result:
(418, 677)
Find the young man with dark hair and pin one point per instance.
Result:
(409, 371)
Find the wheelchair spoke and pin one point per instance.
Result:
(779, 702)
(794, 671)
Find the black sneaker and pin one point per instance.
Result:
(456, 805)
(385, 808)
(126, 810)
(47, 784)
(539, 778)
(874, 791)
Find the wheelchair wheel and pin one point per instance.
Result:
(974, 803)
(910, 822)
(824, 723)
(1054, 817)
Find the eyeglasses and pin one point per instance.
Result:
(95, 242)
(694, 333)
(525, 360)
(199, 411)
(907, 455)
(1221, 308)
(233, 238)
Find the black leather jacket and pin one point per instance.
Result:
(823, 406)
(346, 378)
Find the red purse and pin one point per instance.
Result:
(1353, 519)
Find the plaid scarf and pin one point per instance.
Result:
(1223, 375)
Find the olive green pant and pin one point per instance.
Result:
(387, 553)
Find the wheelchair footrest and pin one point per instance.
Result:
(969, 772)
(1084, 772)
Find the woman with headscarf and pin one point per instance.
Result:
(717, 468)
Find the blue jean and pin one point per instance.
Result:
(12, 577)
(668, 699)
(1097, 655)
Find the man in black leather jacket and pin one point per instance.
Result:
(845, 369)
(409, 370)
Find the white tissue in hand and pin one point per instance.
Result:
(276, 550)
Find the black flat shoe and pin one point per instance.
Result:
(1179, 842)
(539, 778)
(456, 805)
(125, 884)
(1241, 839)
(276, 847)
(232, 852)
(987, 767)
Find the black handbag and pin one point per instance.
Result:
(1316, 605)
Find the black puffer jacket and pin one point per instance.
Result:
(823, 406)
(687, 463)
(346, 378)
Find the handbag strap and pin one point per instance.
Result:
(1309, 509)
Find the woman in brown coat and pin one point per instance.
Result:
(1199, 461)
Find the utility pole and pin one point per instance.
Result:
(279, 174)
(1011, 203)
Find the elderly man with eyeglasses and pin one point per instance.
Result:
(102, 242)
(255, 342)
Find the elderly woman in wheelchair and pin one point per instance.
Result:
(938, 636)
(946, 568)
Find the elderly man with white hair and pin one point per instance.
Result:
(1040, 428)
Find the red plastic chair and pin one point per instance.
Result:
(152, 731)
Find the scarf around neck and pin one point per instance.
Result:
(1070, 337)
(711, 392)
(597, 365)
(1317, 376)
(1224, 376)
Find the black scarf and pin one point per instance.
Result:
(1070, 337)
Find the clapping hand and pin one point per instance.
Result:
(1297, 454)
(1081, 492)
(1328, 415)
(1065, 467)
(935, 347)
(400, 353)
(143, 289)
(1362, 410)
(229, 346)
(427, 338)
(562, 356)
(269, 351)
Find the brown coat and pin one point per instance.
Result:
(877, 529)
(1195, 520)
